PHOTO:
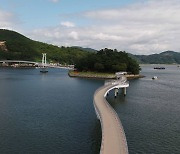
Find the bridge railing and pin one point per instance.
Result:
(122, 80)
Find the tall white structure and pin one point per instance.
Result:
(44, 59)
(44, 64)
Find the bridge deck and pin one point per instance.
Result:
(113, 136)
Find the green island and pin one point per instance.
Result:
(104, 64)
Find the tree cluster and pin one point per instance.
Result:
(108, 60)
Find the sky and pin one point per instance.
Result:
(136, 26)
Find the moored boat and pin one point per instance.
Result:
(43, 70)
(159, 67)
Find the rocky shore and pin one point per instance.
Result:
(95, 75)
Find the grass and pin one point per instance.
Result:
(92, 74)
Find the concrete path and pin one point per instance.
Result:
(113, 136)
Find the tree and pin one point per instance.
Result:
(108, 60)
(99, 67)
(119, 67)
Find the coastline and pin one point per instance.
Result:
(95, 75)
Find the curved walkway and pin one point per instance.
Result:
(113, 136)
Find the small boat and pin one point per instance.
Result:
(43, 70)
(154, 77)
(161, 68)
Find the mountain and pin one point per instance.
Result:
(166, 57)
(15, 46)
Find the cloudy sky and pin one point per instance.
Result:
(136, 26)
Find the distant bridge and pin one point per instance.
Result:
(37, 64)
(113, 136)
(19, 61)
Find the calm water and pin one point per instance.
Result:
(52, 113)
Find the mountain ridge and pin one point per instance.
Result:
(165, 57)
(14, 45)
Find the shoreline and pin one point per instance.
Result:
(95, 75)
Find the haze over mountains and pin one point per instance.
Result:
(17, 46)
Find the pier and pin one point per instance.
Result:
(113, 136)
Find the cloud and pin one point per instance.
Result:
(73, 35)
(140, 28)
(8, 20)
(67, 24)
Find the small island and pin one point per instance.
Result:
(104, 63)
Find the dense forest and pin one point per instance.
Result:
(108, 60)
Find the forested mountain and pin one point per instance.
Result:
(167, 57)
(14, 46)
(18, 47)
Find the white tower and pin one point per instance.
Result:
(44, 70)
(44, 59)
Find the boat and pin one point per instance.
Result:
(154, 77)
(44, 67)
(159, 68)
(44, 70)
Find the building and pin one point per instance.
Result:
(3, 45)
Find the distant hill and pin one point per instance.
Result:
(166, 57)
(14, 46)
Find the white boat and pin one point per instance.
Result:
(154, 77)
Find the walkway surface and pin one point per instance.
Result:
(113, 136)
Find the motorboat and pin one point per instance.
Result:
(160, 68)
(43, 70)
(154, 77)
